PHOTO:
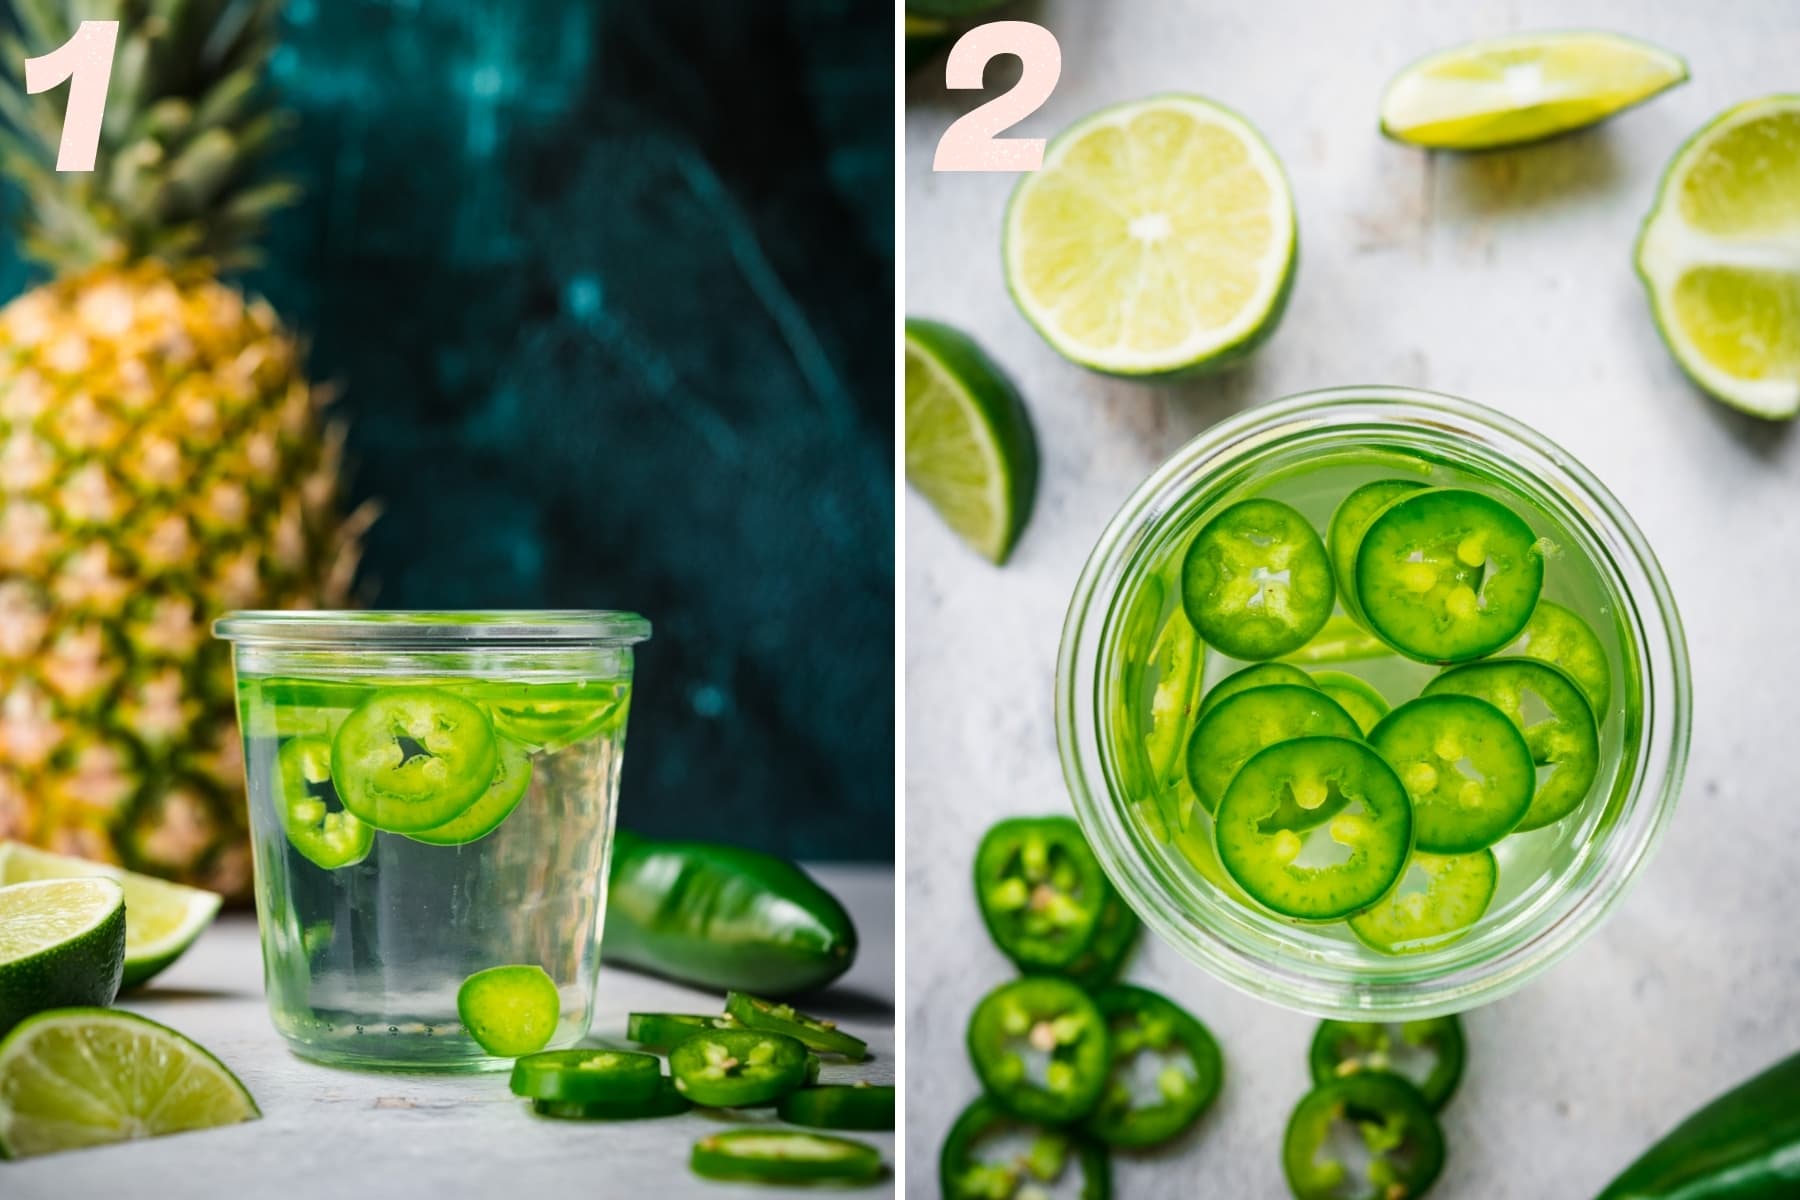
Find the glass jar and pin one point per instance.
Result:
(1579, 868)
(431, 794)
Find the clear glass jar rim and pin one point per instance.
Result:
(1295, 978)
(425, 628)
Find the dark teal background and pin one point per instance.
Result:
(608, 289)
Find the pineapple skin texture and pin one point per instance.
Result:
(163, 460)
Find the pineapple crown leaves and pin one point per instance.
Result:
(187, 131)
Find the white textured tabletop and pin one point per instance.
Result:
(1505, 279)
(385, 1136)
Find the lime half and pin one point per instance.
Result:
(1505, 91)
(62, 942)
(969, 445)
(92, 1076)
(1720, 257)
(1158, 237)
(162, 919)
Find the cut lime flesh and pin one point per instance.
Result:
(1719, 255)
(970, 450)
(62, 942)
(1158, 237)
(1511, 90)
(162, 919)
(80, 1077)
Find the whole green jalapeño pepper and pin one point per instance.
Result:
(723, 917)
(1745, 1145)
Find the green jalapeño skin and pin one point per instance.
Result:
(413, 832)
(1380, 695)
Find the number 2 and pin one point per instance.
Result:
(85, 60)
(969, 144)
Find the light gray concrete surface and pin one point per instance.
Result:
(1506, 279)
(353, 1135)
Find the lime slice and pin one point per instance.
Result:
(1720, 256)
(969, 445)
(1157, 237)
(62, 942)
(1504, 91)
(92, 1076)
(162, 918)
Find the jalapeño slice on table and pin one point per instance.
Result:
(1446, 575)
(1242, 725)
(1348, 524)
(512, 776)
(1455, 892)
(1428, 1054)
(783, 1156)
(328, 836)
(1275, 843)
(1355, 696)
(732, 1068)
(1147, 1102)
(665, 1101)
(753, 1012)
(1256, 582)
(410, 758)
(1559, 637)
(1550, 709)
(1464, 764)
(863, 1106)
(587, 1076)
(1401, 1148)
(1040, 890)
(1115, 935)
(664, 1030)
(510, 1010)
(1250, 678)
(990, 1154)
(1040, 1047)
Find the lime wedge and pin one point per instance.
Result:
(969, 445)
(1158, 237)
(92, 1076)
(1509, 90)
(1720, 257)
(62, 942)
(162, 919)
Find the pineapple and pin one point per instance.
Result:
(162, 456)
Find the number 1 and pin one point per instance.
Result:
(85, 60)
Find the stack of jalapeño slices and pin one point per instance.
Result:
(1324, 803)
(443, 763)
(1072, 1063)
